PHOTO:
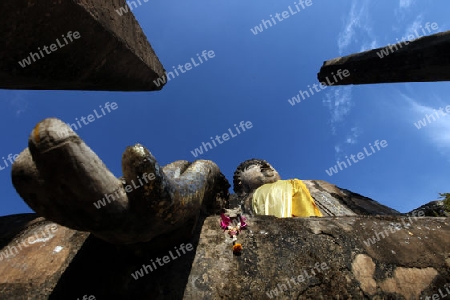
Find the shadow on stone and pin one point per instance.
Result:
(12, 225)
(90, 271)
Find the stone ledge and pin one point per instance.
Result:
(410, 262)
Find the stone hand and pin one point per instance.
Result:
(61, 178)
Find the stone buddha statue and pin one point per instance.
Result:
(260, 190)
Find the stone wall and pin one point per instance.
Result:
(300, 258)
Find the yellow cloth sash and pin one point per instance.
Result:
(285, 199)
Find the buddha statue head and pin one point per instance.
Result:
(253, 173)
(250, 175)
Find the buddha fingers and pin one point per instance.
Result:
(166, 197)
(31, 186)
(63, 180)
(147, 189)
(60, 178)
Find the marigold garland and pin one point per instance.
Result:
(237, 248)
(227, 224)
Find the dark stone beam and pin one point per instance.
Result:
(422, 60)
(109, 53)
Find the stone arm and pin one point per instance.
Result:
(61, 178)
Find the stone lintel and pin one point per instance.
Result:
(422, 60)
(111, 52)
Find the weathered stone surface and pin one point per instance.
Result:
(353, 255)
(409, 263)
(87, 265)
(424, 59)
(32, 270)
(334, 201)
(406, 264)
(63, 180)
(433, 209)
(111, 53)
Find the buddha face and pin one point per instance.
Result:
(252, 174)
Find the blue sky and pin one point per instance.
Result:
(251, 78)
